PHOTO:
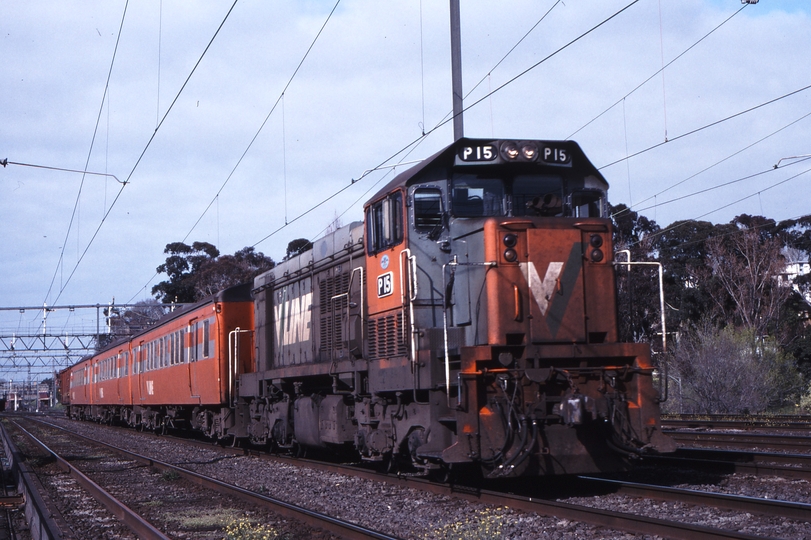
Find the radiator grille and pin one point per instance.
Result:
(386, 337)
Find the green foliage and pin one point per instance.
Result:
(182, 263)
(297, 247)
(198, 271)
(245, 529)
(487, 525)
(170, 475)
(637, 287)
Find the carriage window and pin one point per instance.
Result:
(427, 208)
(474, 196)
(206, 338)
(537, 195)
(587, 203)
(385, 223)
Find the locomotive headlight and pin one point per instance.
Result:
(596, 240)
(510, 151)
(529, 151)
(510, 240)
(596, 255)
(510, 255)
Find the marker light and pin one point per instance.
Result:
(530, 151)
(510, 240)
(510, 255)
(596, 255)
(510, 151)
(596, 240)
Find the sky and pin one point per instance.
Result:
(254, 123)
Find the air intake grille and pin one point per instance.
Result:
(332, 309)
(386, 337)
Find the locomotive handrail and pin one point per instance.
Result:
(445, 304)
(232, 365)
(629, 263)
(408, 273)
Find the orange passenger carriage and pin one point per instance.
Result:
(180, 373)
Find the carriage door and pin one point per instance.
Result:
(389, 267)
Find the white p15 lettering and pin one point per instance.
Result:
(384, 285)
(478, 153)
(555, 155)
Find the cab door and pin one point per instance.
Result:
(390, 282)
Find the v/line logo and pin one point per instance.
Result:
(543, 289)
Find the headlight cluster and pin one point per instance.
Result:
(596, 242)
(512, 151)
(510, 240)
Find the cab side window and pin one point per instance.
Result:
(427, 209)
(384, 223)
(587, 203)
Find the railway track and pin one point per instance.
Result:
(540, 503)
(727, 422)
(196, 491)
(794, 443)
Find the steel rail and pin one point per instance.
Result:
(802, 460)
(747, 424)
(136, 523)
(344, 529)
(44, 519)
(594, 516)
(770, 507)
(743, 440)
(725, 466)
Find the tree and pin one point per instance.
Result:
(181, 264)
(297, 247)
(747, 264)
(198, 271)
(229, 270)
(126, 322)
(730, 371)
(682, 250)
(637, 286)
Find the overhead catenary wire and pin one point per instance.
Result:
(643, 83)
(718, 209)
(253, 139)
(447, 120)
(143, 152)
(59, 264)
(707, 126)
(705, 169)
(713, 188)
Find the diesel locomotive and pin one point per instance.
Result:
(470, 319)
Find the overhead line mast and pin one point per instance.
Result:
(456, 71)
